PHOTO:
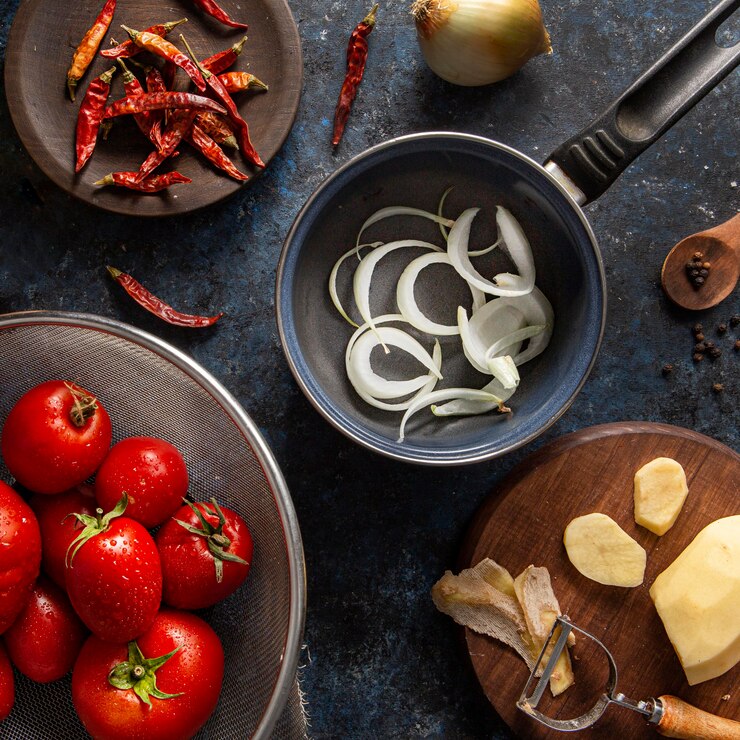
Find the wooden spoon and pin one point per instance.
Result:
(721, 247)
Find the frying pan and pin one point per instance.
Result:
(414, 170)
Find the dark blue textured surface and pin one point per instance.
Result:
(379, 661)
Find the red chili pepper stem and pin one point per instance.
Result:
(222, 60)
(206, 74)
(128, 75)
(128, 48)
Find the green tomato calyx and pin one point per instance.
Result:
(218, 542)
(93, 525)
(139, 673)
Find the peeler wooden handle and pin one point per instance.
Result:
(684, 721)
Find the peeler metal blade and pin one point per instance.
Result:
(527, 703)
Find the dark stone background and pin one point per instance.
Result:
(379, 661)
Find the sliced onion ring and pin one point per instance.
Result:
(466, 394)
(407, 302)
(363, 377)
(390, 211)
(333, 278)
(462, 407)
(364, 275)
(488, 324)
(504, 370)
(457, 248)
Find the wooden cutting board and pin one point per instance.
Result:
(522, 523)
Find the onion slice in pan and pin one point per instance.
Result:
(518, 248)
(364, 275)
(390, 211)
(333, 278)
(407, 302)
(465, 394)
(465, 407)
(488, 324)
(362, 375)
(504, 370)
(401, 405)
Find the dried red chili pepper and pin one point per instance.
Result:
(160, 101)
(212, 8)
(238, 81)
(180, 121)
(212, 151)
(88, 46)
(221, 61)
(152, 184)
(242, 126)
(217, 128)
(161, 47)
(129, 48)
(169, 72)
(132, 87)
(158, 307)
(356, 59)
(90, 117)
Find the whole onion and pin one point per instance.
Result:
(476, 42)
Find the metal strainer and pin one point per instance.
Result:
(151, 388)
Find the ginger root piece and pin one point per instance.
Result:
(660, 492)
(602, 551)
(534, 592)
(488, 600)
(473, 602)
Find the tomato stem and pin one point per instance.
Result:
(84, 405)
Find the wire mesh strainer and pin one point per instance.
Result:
(151, 388)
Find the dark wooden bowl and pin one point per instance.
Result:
(40, 48)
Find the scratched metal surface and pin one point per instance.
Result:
(379, 661)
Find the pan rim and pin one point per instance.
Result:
(350, 427)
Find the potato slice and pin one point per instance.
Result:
(660, 492)
(602, 551)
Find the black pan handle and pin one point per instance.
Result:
(593, 159)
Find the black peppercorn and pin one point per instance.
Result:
(697, 328)
(698, 357)
(737, 345)
(721, 328)
(667, 369)
(735, 320)
(718, 387)
(699, 347)
(699, 281)
(709, 344)
(699, 337)
(714, 352)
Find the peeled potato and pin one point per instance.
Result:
(602, 551)
(660, 492)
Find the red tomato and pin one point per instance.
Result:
(45, 639)
(114, 577)
(7, 684)
(207, 561)
(192, 675)
(55, 437)
(58, 529)
(20, 554)
(152, 473)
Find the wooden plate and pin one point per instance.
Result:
(40, 48)
(523, 523)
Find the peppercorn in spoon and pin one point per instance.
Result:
(702, 269)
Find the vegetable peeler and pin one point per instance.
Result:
(671, 716)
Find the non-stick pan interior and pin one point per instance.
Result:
(415, 171)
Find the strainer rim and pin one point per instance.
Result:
(286, 509)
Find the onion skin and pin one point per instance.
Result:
(477, 42)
